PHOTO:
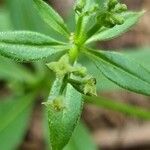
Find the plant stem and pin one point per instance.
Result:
(79, 26)
(73, 54)
(127, 109)
(91, 32)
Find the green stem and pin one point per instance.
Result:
(79, 26)
(73, 54)
(60, 83)
(118, 106)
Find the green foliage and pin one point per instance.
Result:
(10, 71)
(51, 17)
(123, 71)
(73, 82)
(4, 18)
(63, 116)
(14, 116)
(81, 139)
(131, 18)
(28, 46)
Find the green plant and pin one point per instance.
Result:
(73, 85)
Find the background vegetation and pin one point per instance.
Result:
(24, 128)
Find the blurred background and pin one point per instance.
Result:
(109, 130)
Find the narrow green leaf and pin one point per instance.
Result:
(5, 23)
(14, 119)
(126, 109)
(122, 71)
(102, 83)
(131, 18)
(141, 55)
(28, 46)
(27, 37)
(26, 17)
(51, 17)
(81, 139)
(12, 71)
(63, 121)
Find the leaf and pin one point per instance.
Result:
(122, 71)
(51, 17)
(26, 17)
(14, 119)
(131, 18)
(102, 83)
(141, 55)
(81, 139)
(64, 117)
(126, 109)
(12, 71)
(5, 23)
(28, 46)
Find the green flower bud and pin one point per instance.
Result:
(80, 6)
(86, 85)
(112, 4)
(93, 10)
(90, 86)
(80, 71)
(118, 19)
(111, 16)
(109, 22)
(120, 8)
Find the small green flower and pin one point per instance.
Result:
(61, 67)
(56, 104)
(90, 86)
(86, 85)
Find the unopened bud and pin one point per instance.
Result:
(90, 87)
(118, 19)
(120, 8)
(109, 22)
(112, 4)
(80, 6)
(79, 71)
